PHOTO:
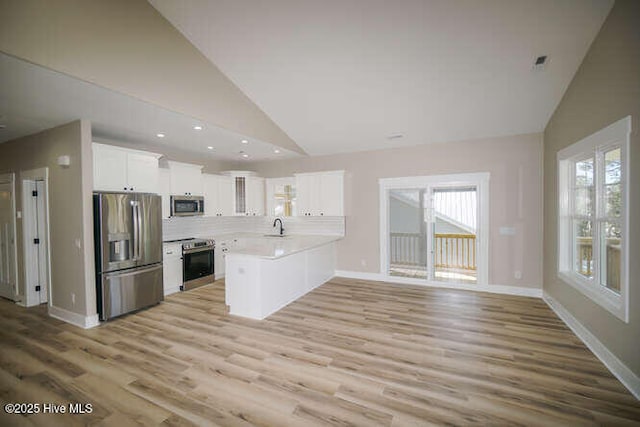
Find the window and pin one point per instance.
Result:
(593, 217)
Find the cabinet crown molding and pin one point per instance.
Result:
(174, 165)
(336, 172)
(125, 149)
(239, 173)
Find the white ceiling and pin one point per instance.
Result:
(33, 98)
(342, 75)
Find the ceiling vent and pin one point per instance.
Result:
(540, 63)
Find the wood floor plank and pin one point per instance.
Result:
(351, 352)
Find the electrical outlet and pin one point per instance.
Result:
(73, 298)
(518, 274)
(363, 262)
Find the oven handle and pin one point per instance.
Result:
(196, 250)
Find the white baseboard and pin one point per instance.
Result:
(218, 276)
(615, 365)
(84, 322)
(496, 289)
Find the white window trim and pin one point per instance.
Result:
(613, 136)
(480, 180)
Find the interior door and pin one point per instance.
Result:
(43, 245)
(7, 241)
(36, 244)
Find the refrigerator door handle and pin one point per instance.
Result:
(139, 218)
(135, 212)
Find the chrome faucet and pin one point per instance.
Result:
(281, 229)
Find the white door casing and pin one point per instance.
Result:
(8, 254)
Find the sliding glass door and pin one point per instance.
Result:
(453, 233)
(432, 228)
(408, 231)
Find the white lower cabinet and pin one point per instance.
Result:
(220, 254)
(172, 267)
(218, 258)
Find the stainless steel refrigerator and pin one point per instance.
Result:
(128, 242)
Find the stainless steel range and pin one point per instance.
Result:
(197, 262)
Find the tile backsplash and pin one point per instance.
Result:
(179, 228)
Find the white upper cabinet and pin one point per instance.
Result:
(121, 169)
(320, 193)
(143, 172)
(186, 179)
(280, 194)
(225, 196)
(248, 193)
(255, 196)
(218, 195)
(164, 183)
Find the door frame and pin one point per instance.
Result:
(41, 174)
(10, 178)
(479, 179)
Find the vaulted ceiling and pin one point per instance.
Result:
(349, 75)
(290, 76)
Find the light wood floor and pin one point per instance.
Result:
(349, 353)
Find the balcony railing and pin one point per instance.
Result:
(408, 249)
(451, 251)
(455, 251)
(584, 254)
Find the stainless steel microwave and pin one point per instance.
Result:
(187, 205)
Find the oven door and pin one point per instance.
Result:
(197, 268)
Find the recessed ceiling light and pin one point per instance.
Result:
(245, 155)
(244, 141)
(160, 135)
(210, 147)
(276, 151)
(197, 127)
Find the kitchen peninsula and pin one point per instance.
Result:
(264, 274)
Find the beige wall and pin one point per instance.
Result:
(70, 216)
(605, 89)
(127, 46)
(515, 165)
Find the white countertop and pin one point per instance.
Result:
(276, 247)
